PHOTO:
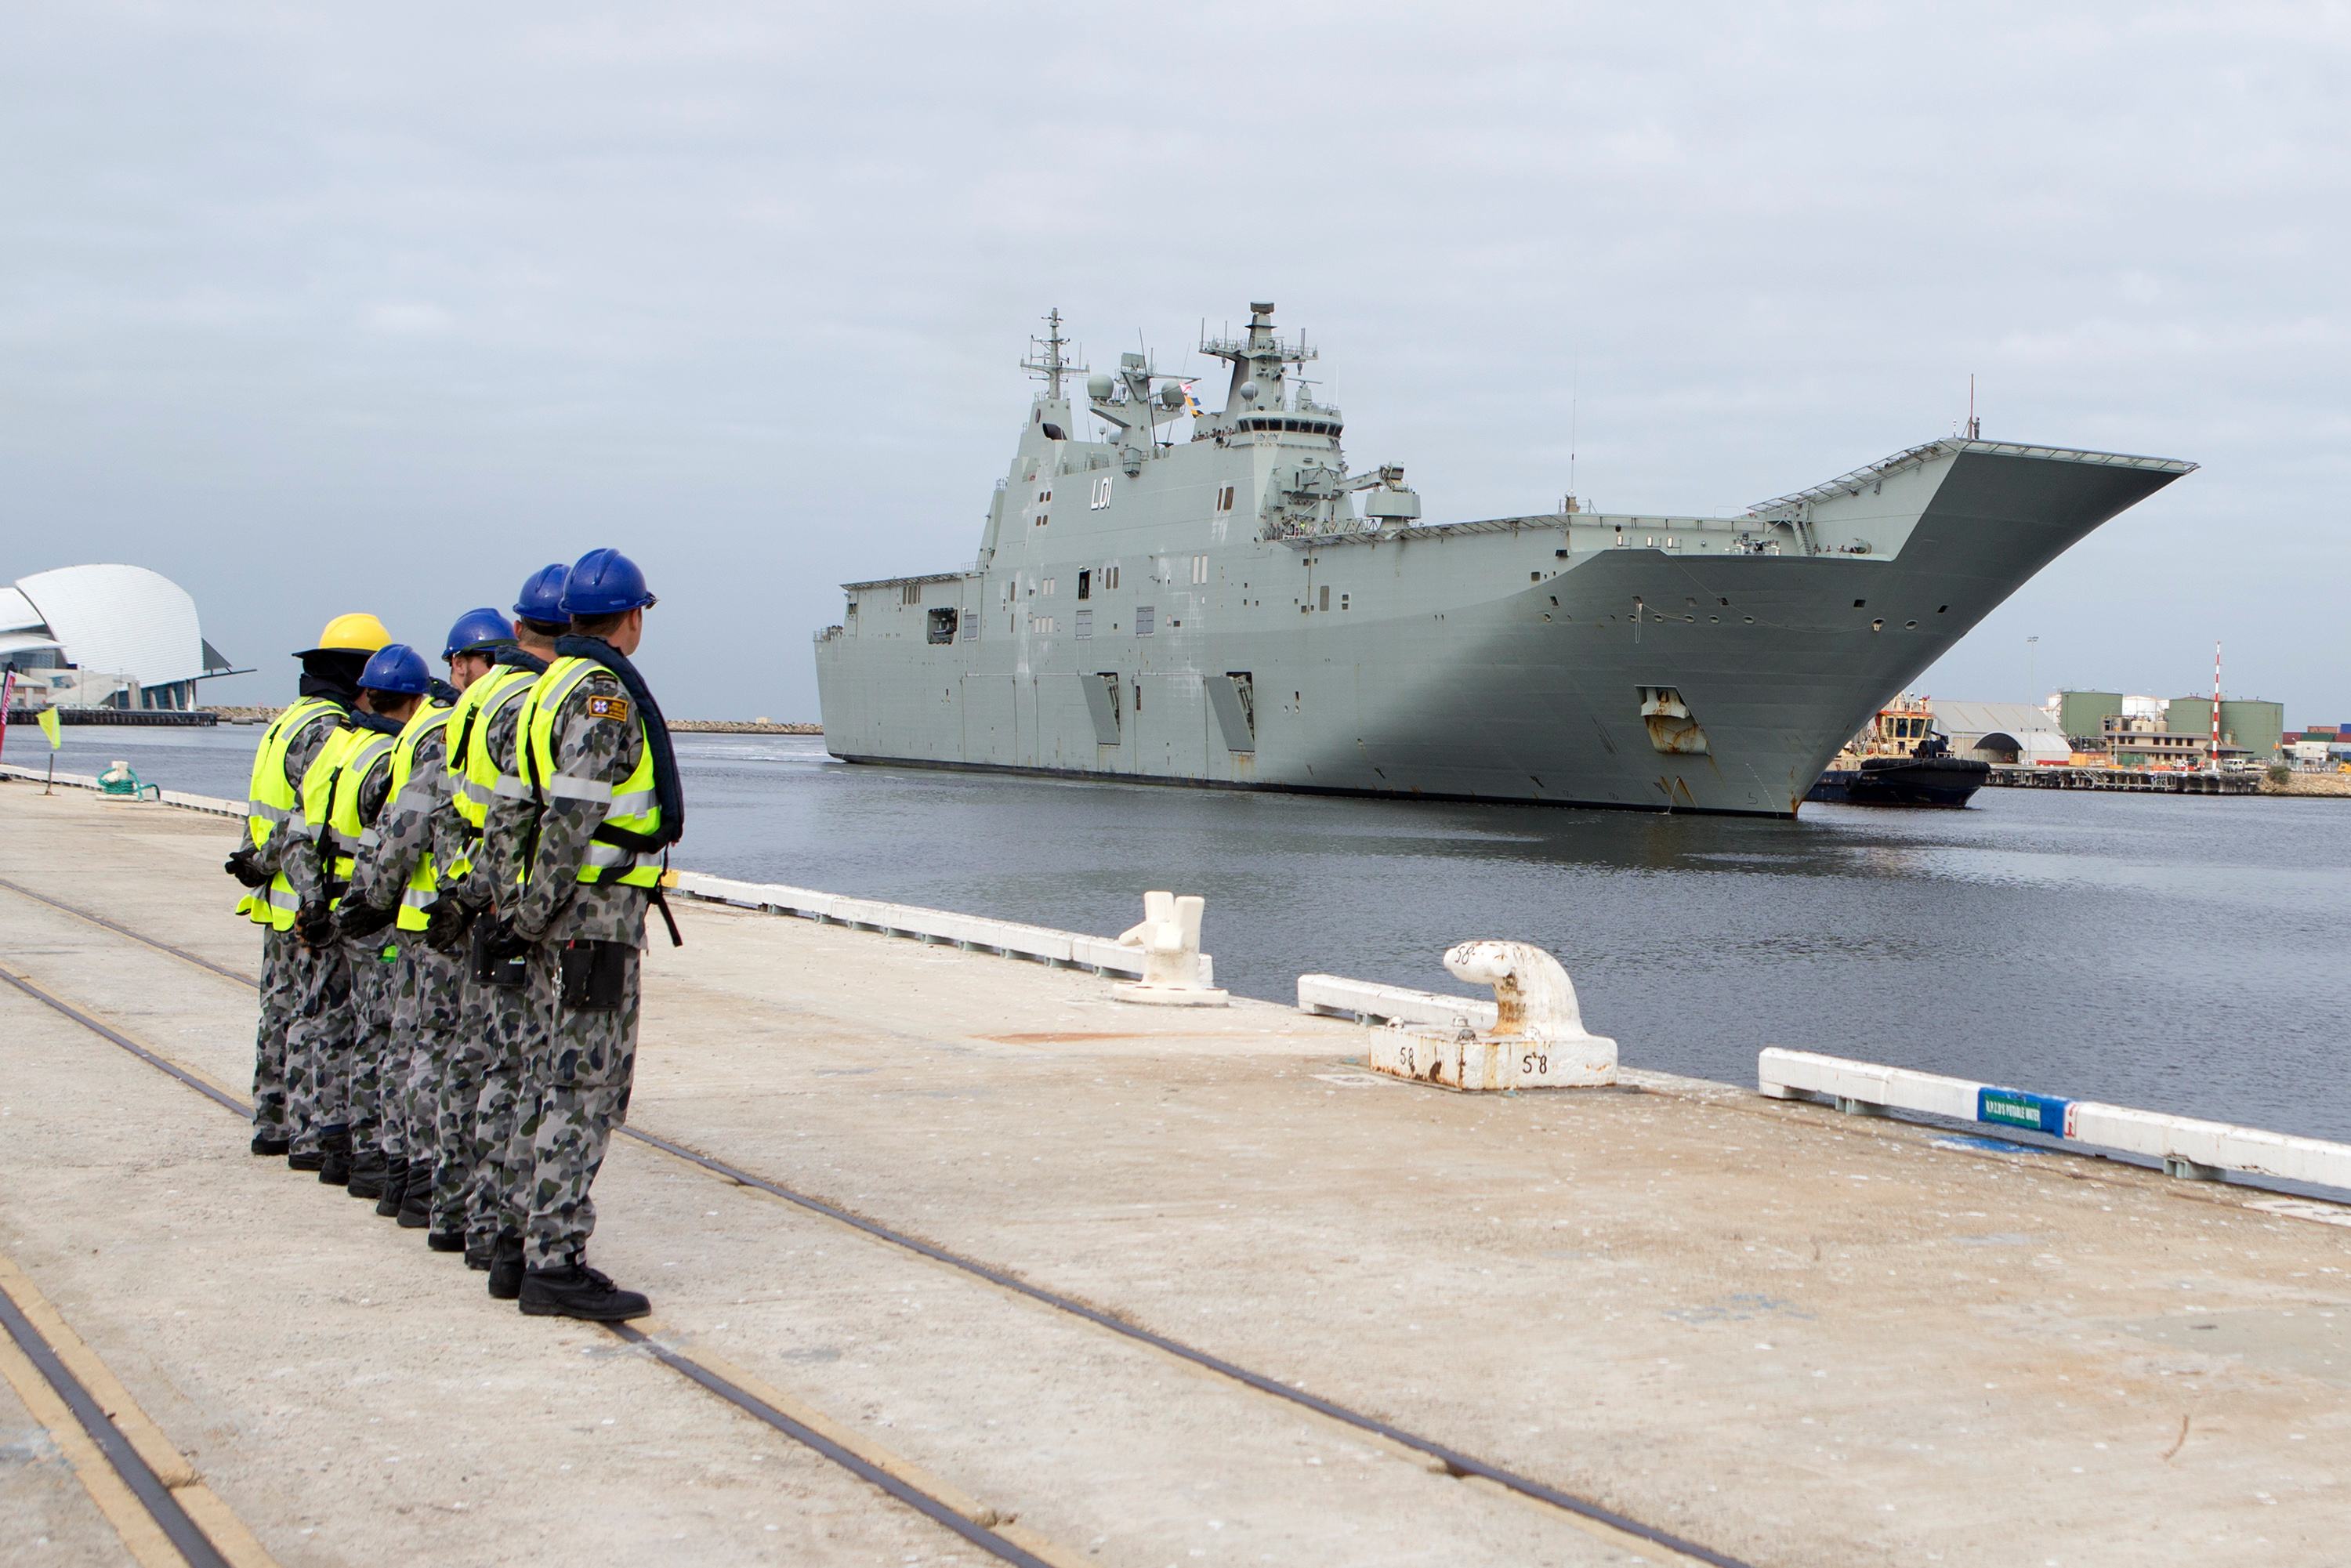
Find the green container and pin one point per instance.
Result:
(2259, 726)
(2083, 715)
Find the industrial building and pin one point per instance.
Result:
(2141, 732)
(104, 636)
(2001, 732)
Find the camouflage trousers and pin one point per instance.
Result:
(581, 1072)
(426, 995)
(318, 1046)
(373, 1083)
(281, 998)
(503, 1024)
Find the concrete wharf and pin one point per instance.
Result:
(958, 1260)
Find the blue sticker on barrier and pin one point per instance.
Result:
(2018, 1108)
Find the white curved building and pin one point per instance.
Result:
(104, 636)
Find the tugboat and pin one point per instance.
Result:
(1900, 761)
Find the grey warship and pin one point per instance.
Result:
(1238, 610)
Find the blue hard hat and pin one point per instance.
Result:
(604, 583)
(476, 630)
(542, 594)
(397, 668)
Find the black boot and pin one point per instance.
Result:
(506, 1267)
(446, 1242)
(479, 1250)
(369, 1170)
(271, 1143)
(395, 1188)
(416, 1206)
(335, 1158)
(305, 1160)
(578, 1291)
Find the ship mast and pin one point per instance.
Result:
(1046, 361)
(1258, 361)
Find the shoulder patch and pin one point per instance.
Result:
(614, 708)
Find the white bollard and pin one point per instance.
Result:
(1173, 972)
(1537, 1041)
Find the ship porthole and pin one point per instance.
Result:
(1877, 625)
(1909, 625)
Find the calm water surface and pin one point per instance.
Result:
(2177, 953)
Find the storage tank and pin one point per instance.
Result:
(2188, 715)
(2257, 727)
(2085, 713)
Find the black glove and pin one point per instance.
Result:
(315, 923)
(240, 866)
(446, 921)
(503, 941)
(360, 918)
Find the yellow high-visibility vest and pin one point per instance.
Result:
(425, 881)
(354, 760)
(271, 805)
(474, 770)
(632, 805)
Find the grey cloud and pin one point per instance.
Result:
(310, 308)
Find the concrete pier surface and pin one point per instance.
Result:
(1781, 1335)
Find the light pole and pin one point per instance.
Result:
(2033, 684)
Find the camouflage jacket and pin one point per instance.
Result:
(406, 829)
(554, 902)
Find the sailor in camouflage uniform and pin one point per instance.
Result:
(596, 750)
(478, 1185)
(398, 878)
(336, 1043)
(274, 821)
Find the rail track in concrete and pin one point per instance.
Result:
(820, 1436)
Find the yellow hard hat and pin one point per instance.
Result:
(354, 633)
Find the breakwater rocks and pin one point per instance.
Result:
(681, 725)
(2336, 784)
(741, 726)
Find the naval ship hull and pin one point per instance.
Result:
(1574, 659)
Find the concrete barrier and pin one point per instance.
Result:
(1043, 944)
(2187, 1147)
(41, 775)
(1334, 995)
(212, 805)
(1062, 949)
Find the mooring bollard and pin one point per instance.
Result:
(1537, 1041)
(1169, 937)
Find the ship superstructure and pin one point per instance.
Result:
(1238, 609)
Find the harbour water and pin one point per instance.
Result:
(2181, 954)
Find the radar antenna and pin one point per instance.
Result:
(1046, 362)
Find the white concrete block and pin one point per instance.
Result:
(908, 920)
(1335, 995)
(1532, 1035)
(2187, 1145)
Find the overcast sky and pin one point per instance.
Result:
(314, 308)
